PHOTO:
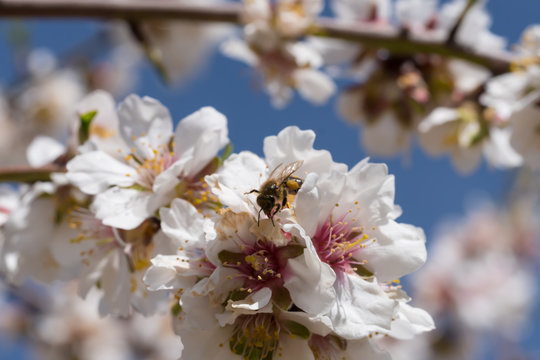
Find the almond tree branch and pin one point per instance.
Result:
(453, 32)
(28, 174)
(136, 10)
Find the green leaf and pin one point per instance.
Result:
(84, 129)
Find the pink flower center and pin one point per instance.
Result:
(261, 266)
(339, 244)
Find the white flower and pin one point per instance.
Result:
(474, 30)
(185, 262)
(184, 46)
(284, 65)
(46, 106)
(29, 232)
(465, 134)
(245, 171)
(526, 135)
(362, 10)
(262, 332)
(350, 221)
(159, 161)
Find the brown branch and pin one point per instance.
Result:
(28, 174)
(134, 10)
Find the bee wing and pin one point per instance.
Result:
(282, 172)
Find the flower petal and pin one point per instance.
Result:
(95, 171)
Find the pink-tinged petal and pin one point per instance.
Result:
(361, 308)
(124, 208)
(310, 282)
(200, 136)
(241, 173)
(410, 321)
(96, 171)
(292, 144)
(44, 150)
(399, 249)
(145, 125)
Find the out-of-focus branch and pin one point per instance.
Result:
(368, 35)
(28, 174)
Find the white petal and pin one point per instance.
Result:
(293, 144)
(124, 208)
(309, 281)
(294, 348)
(399, 249)
(239, 50)
(361, 308)
(145, 124)
(411, 321)
(95, 171)
(200, 135)
(240, 174)
(498, 151)
(386, 137)
(43, 150)
(314, 86)
(182, 223)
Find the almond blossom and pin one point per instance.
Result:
(157, 166)
(284, 64)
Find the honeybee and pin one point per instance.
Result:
(274, 191)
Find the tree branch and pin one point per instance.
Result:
(453, 32)
(133, 10)
(28, 174)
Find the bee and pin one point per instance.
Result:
(274, 191)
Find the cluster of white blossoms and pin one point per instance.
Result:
(287, 255)
(271, 44)
(441, 101)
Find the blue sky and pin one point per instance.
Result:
(428, 189)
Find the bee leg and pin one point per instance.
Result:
(252, 191)
(259, 218)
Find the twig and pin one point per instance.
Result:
(28, 174)
(453, 32)
(368, 35)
